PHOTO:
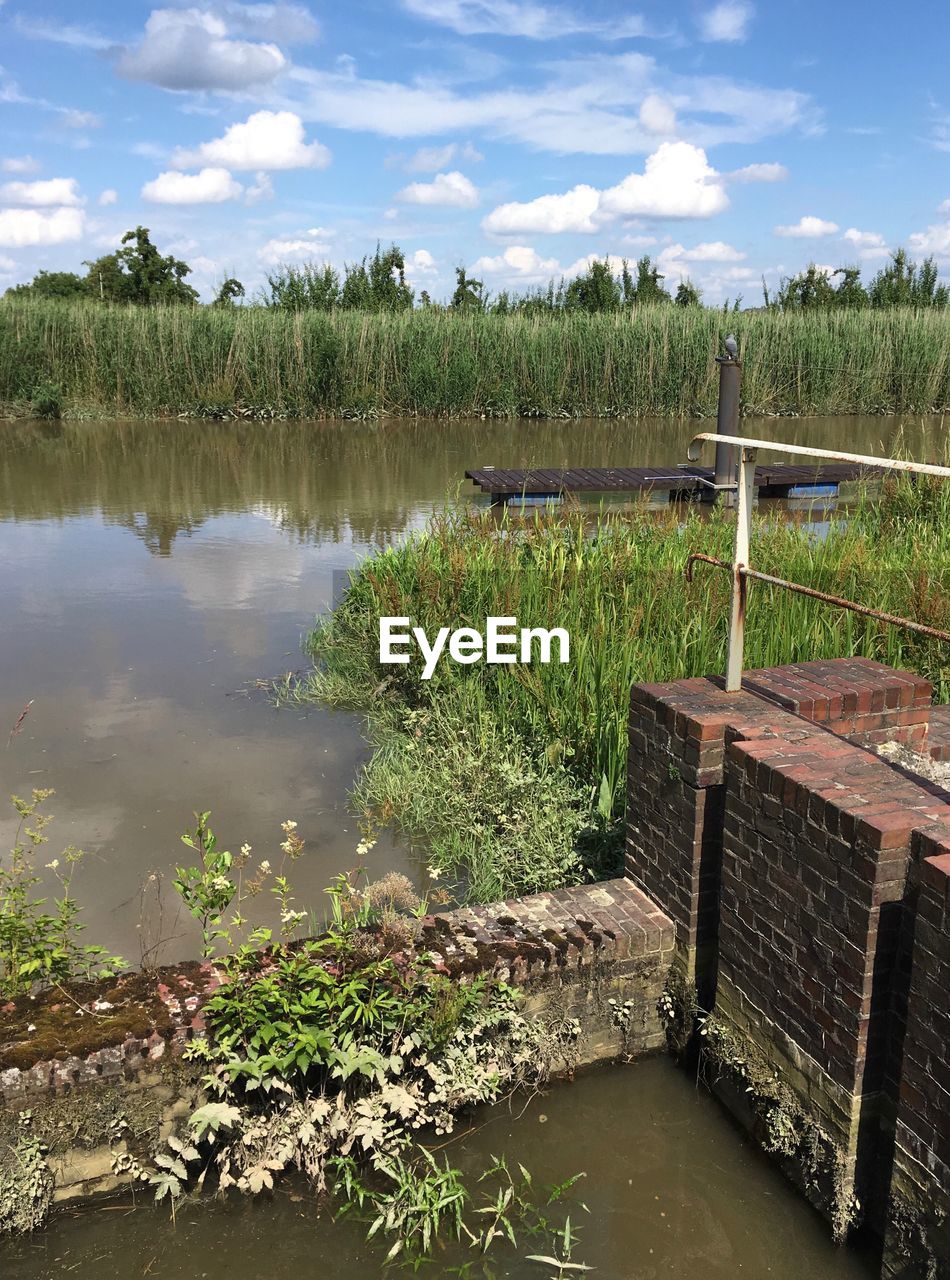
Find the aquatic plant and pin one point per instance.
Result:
(513, 776)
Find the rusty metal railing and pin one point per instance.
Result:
(740, 568)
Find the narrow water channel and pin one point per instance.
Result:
(151, 574)
(671, 1188)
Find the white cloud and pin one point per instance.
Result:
(421, 263)
(452, 189)
(726, 21)
(44, 194)
(519, 261)
(677, 182)
(657, 115)
(870, 244)
(769, 172)
(210, 186)
(109, 196)
(6, 265)
(944, 207)
(60, 33)
(73, 119)
(265, 140)
(19, 164)
(808, 227)
(710, 251)
(192, 49)
(21, 227)
(572, 211)
(520, 18)
(587, 105)
(935, 241)
(291, 23)
(429, 159)
(260, 189)
(278, 251)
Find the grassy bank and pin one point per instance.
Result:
(649, 361)
(514, 776)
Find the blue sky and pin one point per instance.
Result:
(727, 139)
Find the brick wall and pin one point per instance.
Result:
(787, 856)
(818, 838)
(918, 1234)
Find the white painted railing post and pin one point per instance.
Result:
(740, 561)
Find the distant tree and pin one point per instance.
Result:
(687, 294)
(903, 284)
(51, 284)
(850, 292)
(227, 293)
(649, 287)
(139, 274)
(810, 289)
(595, 290)
(379, 284)
(468, 295)
(308, 287)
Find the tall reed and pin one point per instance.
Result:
(648, 361)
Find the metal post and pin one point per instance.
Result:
(727, 416)
(740, 561)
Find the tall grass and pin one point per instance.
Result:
(446, 746)
(649, 361)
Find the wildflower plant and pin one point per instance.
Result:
(39, 943)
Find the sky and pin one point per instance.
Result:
(728, 139)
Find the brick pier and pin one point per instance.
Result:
(807, 881)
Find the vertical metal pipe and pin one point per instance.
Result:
(727, 416)
(740, 560)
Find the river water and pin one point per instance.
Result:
(151, 574)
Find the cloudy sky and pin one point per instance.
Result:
(729, 140)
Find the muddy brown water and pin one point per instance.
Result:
(150, 574)
(671, 1190)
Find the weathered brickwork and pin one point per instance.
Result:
(675, 803)
(938, 739)
(818, 837)
(856, 698)
(918, 1233)
(597, 953)
(789, 858)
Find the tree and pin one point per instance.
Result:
(229, 290)
(649, 287)
(595, 290)
(850, 292)
(139, 274)
(379, 286)
(51, 284)
(903, 284)
(308, 287)
(687, 294)
(810, 289)
(468, 292)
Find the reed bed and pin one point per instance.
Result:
(515, 776)
(647, 361)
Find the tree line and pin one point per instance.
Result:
(138, 274)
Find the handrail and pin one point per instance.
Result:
(890, 464)
(741, 570)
